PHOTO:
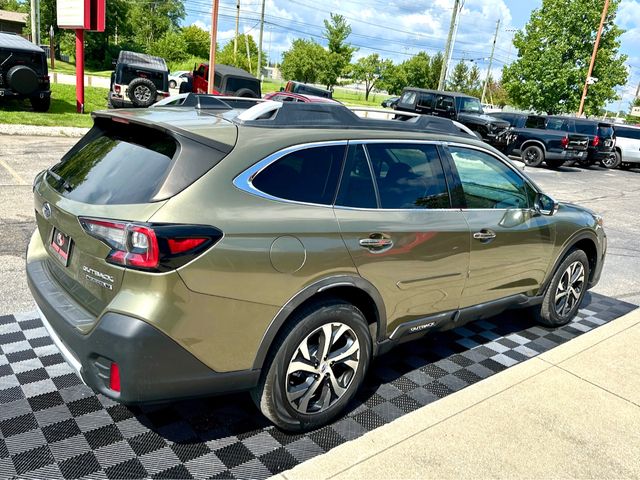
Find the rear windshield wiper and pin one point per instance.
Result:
(63, 183)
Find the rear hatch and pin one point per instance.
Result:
(607, 137)
(105, 187)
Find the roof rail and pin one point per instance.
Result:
(272, 114)
(203, 101)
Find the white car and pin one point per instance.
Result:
(176, 78)
(627, 146)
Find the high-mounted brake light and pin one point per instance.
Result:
(151, 247)
(596, 141)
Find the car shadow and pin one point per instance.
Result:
(392, 377)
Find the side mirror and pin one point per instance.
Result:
(545, 205)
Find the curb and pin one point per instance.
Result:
(42, 131)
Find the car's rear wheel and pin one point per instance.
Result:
(533, 156)
(315, 367)
(612, 161)
(566, 291)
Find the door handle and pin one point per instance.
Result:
(376, 243)
(484, 235)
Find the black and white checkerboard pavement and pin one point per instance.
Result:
(53, 426)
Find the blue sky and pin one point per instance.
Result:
(397, 29)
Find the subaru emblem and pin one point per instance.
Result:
(46, 210)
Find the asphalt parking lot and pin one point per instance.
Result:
(614, 194)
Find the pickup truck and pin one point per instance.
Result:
(538, 138)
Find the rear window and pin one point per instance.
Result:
(116, 166)
(605, 131)
(234, 84)
(586, 128)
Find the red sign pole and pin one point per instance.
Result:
(80, 70)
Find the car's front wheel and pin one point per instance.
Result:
(566, 291)
(315, 366)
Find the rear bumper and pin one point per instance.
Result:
(8, 93)
(152, 366)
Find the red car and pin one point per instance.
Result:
(297, 97)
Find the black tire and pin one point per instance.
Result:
(555, 164)
(40, 104)
(270, 396)
(246, 93)
(172, 84)
(142, 92)
(547, 313)
(612, 161)
(22, 79)
(532, 156)
(584, 162)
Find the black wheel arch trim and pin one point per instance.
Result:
(316, 288)
(569, 244)
(537, 143)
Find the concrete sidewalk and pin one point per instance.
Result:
(572, 412)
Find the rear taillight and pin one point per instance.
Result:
(158, 247)
(565, 141)
(596, 141)
(114, 377)
(117, 89)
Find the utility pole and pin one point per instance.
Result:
(593, 57)
(493, 49)
(448, 48)
(52, 53)
(212, 50)
(259, 69)
(235, 39)
(35, 21)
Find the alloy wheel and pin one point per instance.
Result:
(142, 93)
(569, 289)
(322, 368)
(532, 156)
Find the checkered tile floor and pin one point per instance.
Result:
(52, 426)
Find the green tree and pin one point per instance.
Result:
(370, 70)
(554, 52)
(172, 46)
(336, 31)
(151, 19)
(302, 62)
(14, 6)
(198, 41)
(248, 63)
(459, 77)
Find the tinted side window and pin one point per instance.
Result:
(309, 175)
(425, 100)
(633, 133)
(442, 102)
(558, 124)
(236, 83)
(487, 182)
(534, 122)
(408, 98)
(586, 128)
(356, 187)
(408, 176)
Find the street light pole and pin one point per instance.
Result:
(259, 68)
(493, 49)
(212, 51)
(593, 57)
(448, 48)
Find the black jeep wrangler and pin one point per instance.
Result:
(139, 80)
(23, 72)
(456, 106)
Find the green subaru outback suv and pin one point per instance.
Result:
(190, 250)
